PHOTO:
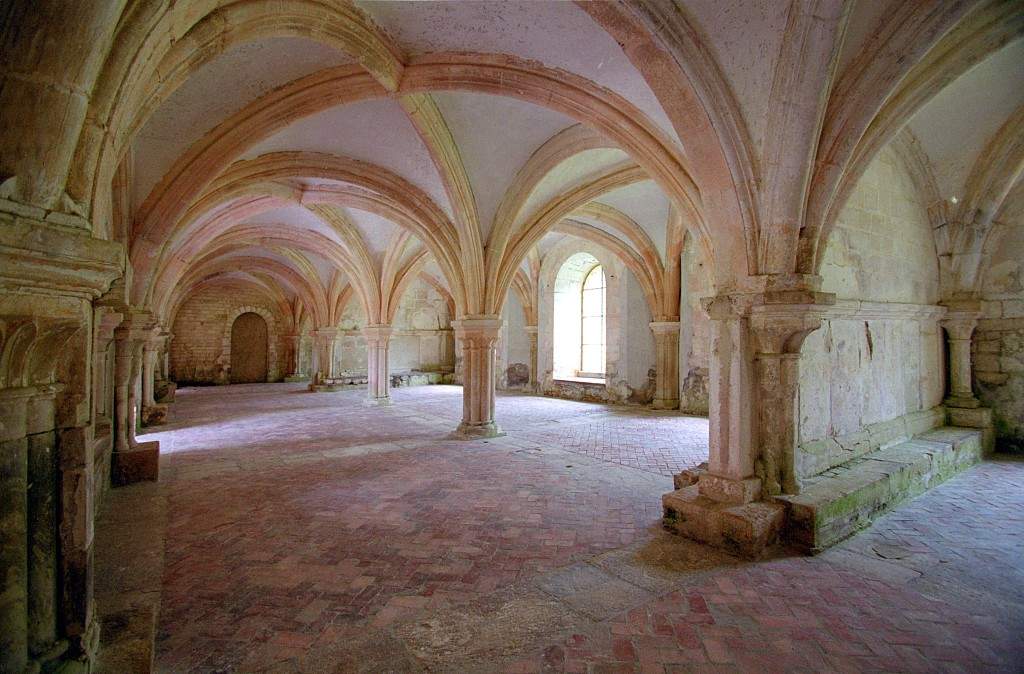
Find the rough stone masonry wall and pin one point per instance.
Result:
(879, 356)
(197, 349)
(999, 338)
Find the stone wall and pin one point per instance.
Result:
(694, 334)
(878, 356)
(422, 337)
(198, 354)
(513, 364)
(998, 353)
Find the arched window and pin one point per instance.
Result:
(592, 313)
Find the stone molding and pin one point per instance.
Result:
(38, 256)
(883, 311)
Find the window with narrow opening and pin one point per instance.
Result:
(592, 323)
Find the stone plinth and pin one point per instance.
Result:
(746, 529)
(137, 464)
(154, 415)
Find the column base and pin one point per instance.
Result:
(477, 431)
(163, 391)
(138, 464)
(975, 417)
(729, 491)
(154, 415)
(296, 378)
(665, 404)
(747, 529)
(963, 402)
(377, 402)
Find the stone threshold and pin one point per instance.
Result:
(130, 534)
(843, 500)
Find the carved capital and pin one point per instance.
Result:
(377, 334)
(478, 331)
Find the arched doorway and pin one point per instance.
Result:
(248, 349)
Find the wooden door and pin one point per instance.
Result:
(249, 349)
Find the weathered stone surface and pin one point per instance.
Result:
(845, 499)
(137, 464)
(130, 536)
(154, 415)
(748, 529)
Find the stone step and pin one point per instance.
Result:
(837, 503)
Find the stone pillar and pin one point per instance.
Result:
(49, 278)
(124, 432)
(293, 371)
(378, 373)
(756, 340)
(731, 441)
(479, 337)
(779, 332)
(666, 345)
(962, 407)
(959, 327)
(531, 332)
(327, 341)
(148, 374)
(132, 461)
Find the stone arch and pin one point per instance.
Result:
(551, 265)
(273, 337)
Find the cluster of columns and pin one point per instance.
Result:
(49, 281)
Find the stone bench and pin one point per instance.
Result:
(418, 378)
(840, 501)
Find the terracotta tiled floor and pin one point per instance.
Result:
(310, 532)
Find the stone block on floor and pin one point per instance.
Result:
(154, 415)
(137, 465)
(747, 529)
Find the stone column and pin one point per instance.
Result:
(132, 461)
(325, 344)
(779, 332)
(531, 332)
(730, 475)
(756, 340)
(378, 373)
(666, 345)
(148, 374)
(959, 326)
(124, 433)
(962, 407)
(479, 336)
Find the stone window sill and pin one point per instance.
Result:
(581, 380)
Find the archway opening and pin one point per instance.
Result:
(249, 349)
(579, 319)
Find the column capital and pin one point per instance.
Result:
(961, 318)
(664, 327)
(780, 320)
(530, 329)
(478, 327)
(377, 333)
(329, 333)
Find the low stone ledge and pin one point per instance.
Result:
(818, 456)
(847, 498)
(404, 379)
(130, 534)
